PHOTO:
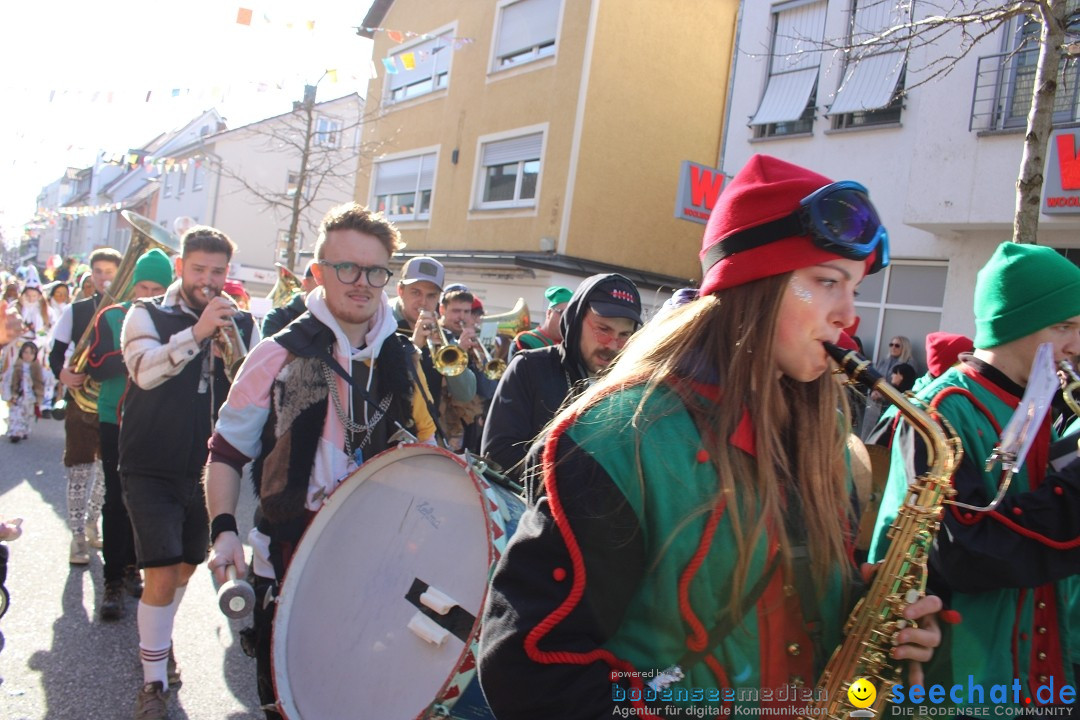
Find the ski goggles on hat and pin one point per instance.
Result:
(838, 218)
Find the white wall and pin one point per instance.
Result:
(943, 191)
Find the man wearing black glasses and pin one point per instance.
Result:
(335, 388)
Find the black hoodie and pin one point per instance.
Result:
(535, 386)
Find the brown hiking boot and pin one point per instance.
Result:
(112, 605)
(151, 702)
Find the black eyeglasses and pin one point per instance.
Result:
(349, 272)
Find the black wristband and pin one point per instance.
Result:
(222, 523)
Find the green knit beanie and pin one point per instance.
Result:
(154, 266)
(1021, 290)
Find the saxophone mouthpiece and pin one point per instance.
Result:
(855, 365)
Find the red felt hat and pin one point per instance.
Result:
(943, 350)
(766, 189)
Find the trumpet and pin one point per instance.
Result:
(228, 340)
(448, 357)
(493, 368)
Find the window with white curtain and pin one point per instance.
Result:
(789, 101)
(421, 68)
(872, 86)
(402, 187)
(526, 30)
(510, 171)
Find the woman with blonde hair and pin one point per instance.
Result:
(696, 514)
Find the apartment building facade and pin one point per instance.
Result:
(528, 143)
(940, 156)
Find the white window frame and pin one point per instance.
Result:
(328, 131)
(439, 81)
(281, 248)
(182, 180)
(870, 82)
(166, 184)
(874, 337)
(523, 56)
(481, 170)
(198, 177)
(420, 154)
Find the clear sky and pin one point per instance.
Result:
(74, 76)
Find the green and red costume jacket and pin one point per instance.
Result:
(105, 362)
(1001, 569)
(624, 565)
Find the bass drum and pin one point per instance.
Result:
(378, 614)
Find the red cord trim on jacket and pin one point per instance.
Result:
(1032, 535)
(577, 590)
(699, 636)
(966, 517)
(96, 335)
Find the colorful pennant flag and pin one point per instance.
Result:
(390, 65)
(395, 35)
(408, 60)
(243, 16)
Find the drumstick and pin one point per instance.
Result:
(236, 598)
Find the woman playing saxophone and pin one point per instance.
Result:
(691, 546)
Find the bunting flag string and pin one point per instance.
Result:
(133, 160)
(246, 16)
(400, 36)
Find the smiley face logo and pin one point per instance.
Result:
(862, 693)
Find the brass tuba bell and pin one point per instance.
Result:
(146, 236)
(285, 287)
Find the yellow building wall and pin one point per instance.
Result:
(657, 91)
(654, 98)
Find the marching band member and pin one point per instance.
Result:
(696, 508)
(105, 363)
(598, 319)
(85, 494)
(177, 385)
(1006, 569)
(312, 402)
(414, 308)
(548, 332)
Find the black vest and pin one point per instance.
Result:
(165, 429)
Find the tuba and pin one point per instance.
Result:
(286, 286)
(146, 235)
(901, 577)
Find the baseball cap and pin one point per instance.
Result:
(423, 268)
(616, 296)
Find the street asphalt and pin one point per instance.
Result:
(59, 661)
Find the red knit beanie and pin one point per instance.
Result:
(766, 189)
(943, 351)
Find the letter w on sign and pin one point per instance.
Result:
(1068, 162)
(705, 186)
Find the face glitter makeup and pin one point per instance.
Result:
(800, 292)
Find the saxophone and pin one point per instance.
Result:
(901, 577)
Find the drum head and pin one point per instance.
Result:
(409, 519)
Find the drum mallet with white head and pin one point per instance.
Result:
(236, 597)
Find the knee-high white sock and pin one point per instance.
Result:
(155, 639)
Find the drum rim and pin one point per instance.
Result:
(379, 462)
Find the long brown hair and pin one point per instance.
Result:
(727, 339)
